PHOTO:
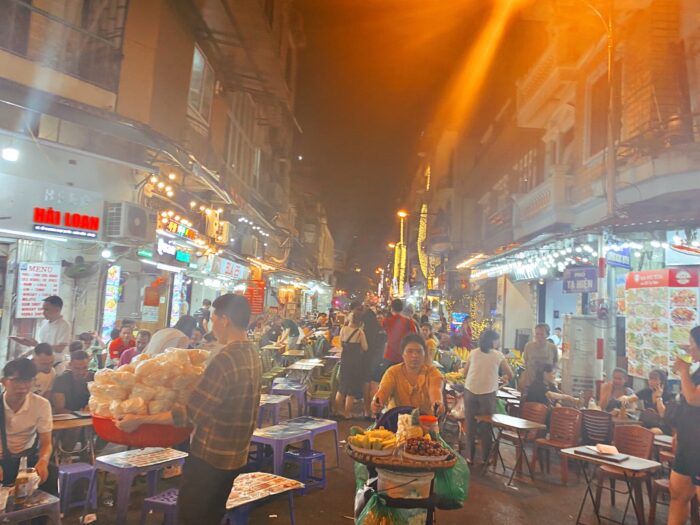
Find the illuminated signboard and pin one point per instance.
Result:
(180, 230)
(65, 223)
(166, 248)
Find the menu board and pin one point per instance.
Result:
(36, 281)
(109, 319)
(662, 307)
(255, 293)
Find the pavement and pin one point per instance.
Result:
(544, 502)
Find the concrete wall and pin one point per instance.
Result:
(520, 305)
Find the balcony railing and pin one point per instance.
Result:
(545, 207)
(88, 47)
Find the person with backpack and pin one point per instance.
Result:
(203, 315)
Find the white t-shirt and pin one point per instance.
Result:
(166, 338)
(33, 417)
(55, 332)
(482, 376)
(43, 382)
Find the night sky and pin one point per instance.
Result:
(371, 75)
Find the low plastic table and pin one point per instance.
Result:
(273, 403)
(38, 504)
(317, 425)
(127, 465)
(288, 388)
(278, 437)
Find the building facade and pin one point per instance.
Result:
(147, 150)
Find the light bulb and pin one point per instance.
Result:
(168, 188)
(106, 253)
(170, 194)
(171, 176)
(161, 185)
(154, 179)
(192, 204)
(171, 213)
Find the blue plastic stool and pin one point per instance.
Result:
(318, 407)
(305, 458)
(239, 515)
(68, 476)
(165, 502)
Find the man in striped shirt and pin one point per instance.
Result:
(222, 409)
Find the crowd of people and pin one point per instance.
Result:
(389, 358)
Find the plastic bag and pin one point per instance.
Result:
(110, 392)
(165, 394)
(198, 357)
(377, 513)
(104, 376)
(159, 406)
(451, 486)
(501, 407)
(147, 393)
(123, 379)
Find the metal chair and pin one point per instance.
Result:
(597, 426)
(635, 441)
(564, 432)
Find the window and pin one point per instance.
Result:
(243, 155)
(598, 116)
(201, 85)
(526, 169)
(14, 27)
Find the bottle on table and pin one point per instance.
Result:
(22, 482)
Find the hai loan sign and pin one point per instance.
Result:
(61, 222)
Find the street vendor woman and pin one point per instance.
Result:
(222, 409)
(411, 383)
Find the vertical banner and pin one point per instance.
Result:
(111, 300)
(36, 281)
(176, 300)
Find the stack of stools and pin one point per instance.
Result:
(305, 458)
(68, 476)
(165, 502)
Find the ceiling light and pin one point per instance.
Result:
(172, 176)
(10, 154)
(153, 179)
(106, 253)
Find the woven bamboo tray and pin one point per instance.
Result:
(399, 462)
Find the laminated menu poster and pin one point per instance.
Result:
(662, 307)
(36, 281)
(258, 485)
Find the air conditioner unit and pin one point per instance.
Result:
(130, 222)
(249, 246)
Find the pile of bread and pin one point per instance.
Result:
(148, 385)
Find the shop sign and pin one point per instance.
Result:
(166, 248)
(180, 230)
(146, 254)
(620, 258)
(667, 277)
(36, 281)
(233, 269)
(681, 255)
(526, 273)
(580, 280)
(31, 205)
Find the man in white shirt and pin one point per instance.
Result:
(25, 425)
(55, 330)
(46, 375)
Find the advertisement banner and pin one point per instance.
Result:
(255, 293)
(233, 269)
(580, 280)
(36, 281)
(662, 308)
(109, 319)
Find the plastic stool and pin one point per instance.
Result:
(68, 476)
(319, 407)
(165, 502)
(305, 458)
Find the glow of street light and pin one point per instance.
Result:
(402, 213)
(391, 245)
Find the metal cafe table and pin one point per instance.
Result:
(630, 467)
(521, 427)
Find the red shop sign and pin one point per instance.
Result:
(667, 277)
(65, 218)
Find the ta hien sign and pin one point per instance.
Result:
(59, 222)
